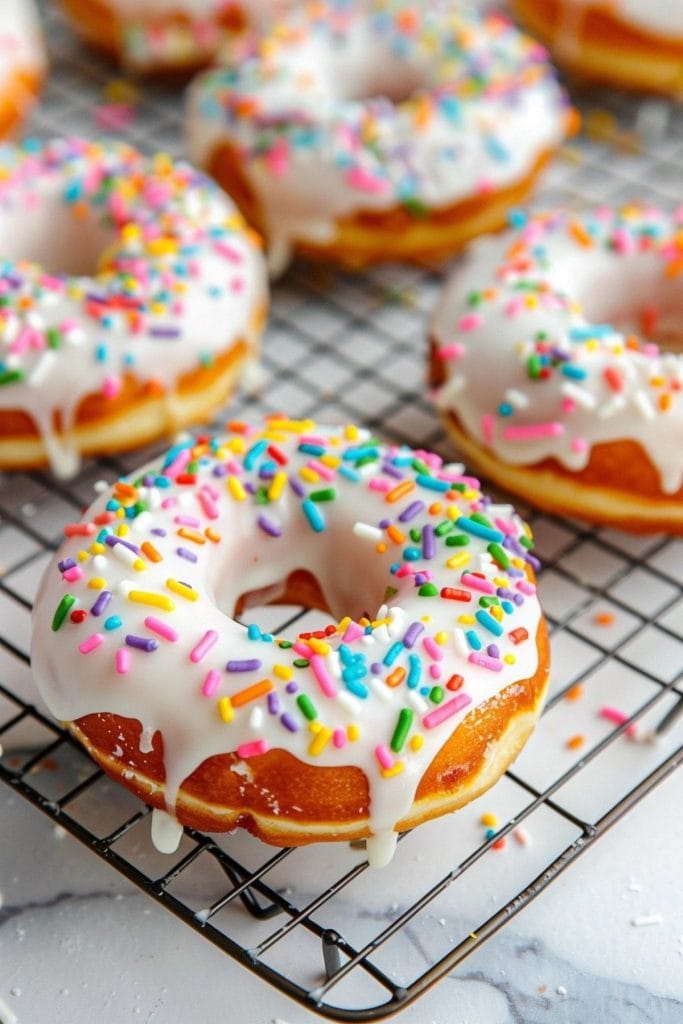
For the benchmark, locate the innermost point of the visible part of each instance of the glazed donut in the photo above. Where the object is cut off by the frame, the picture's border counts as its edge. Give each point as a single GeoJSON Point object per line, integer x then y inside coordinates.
{"type": "Point", "coordinates": [154, 338]}
{"type": "Point", "coordinates": [411, 702]}
{"type": "Point", "coordinates": [369, 132]}
{"type": "Point", "coordinates": [634, 44]}
{"type": "Point", "coordinates": [541, 379]}
{"type": "Point", "coordinates": [22, 63]}
{"type": "Point", "coordinates": [164, 35]}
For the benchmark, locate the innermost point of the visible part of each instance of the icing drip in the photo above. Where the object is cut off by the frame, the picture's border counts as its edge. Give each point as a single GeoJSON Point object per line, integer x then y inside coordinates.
{"type": "Point", "coordinates": [130, 620]}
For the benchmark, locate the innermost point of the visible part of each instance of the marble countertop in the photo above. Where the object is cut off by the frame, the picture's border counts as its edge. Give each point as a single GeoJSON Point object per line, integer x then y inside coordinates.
{"type": "Point", "coordinates": [79, 943]}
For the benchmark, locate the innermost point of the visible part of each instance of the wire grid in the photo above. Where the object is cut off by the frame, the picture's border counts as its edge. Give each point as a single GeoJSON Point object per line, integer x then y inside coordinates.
{"type": "Point", "coordinates": [348, 943]}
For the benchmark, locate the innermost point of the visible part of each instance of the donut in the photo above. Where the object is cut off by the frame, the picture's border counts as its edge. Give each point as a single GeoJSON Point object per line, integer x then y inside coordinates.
{"type": "Point", "coordinates": [363, 133]}
{"type": "Point", "coordinates": [547, 368]}
{"type": "Point", "coordinates": [151, 36]}
{"type": "Point", "coordinates": [22, 63]}
{"type": "Point", "coordinates": [633, 44]}
{"type": "Point", "coordinates": [411, 701]}
{"type": "Point", "coordinates": [132, 297]}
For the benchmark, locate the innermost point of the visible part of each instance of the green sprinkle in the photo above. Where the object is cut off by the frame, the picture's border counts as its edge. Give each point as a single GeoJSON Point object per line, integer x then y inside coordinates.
{"type": "Point", "coordinates": [403, 725]}
{"type": "Point", "coordinates": [534, 366]}
{"type": "Point", "coordinates": [445, 527]}
{"type": "Point", "coordinates": [457, 540]}
{"type": "Point", "coordinates": [526, 542]}
{"type": "Point", "coordinates": [428, 590]}
{"type": "Point", "coordinates": [300, 662]}
{"type": "Point", "coordinates": [53, 337]}
{"type": "Point", "coordinates": [479, 517]}
{"type": "Point", "coordinates": [474, 299]}
{"type": "Point", "coordinates": [436, 694]}
{"type": "Point", "coordinates": [285, 644]}
{"type": "Point", "coordinates": [488, 602]}
{"type": "Point", "coordinates": [327, 494]}
{"type": "Point", "coordinates": [420, 467]}
{"type": "Point", "coordinates": [11, 376]}
{"type": "Point", "coordinates": [307, 707]}
{"type": "Point", "coordinates": [389, 593]}
{"type": "Point", "coordinates": [415, 535]}
{"type": "Point", "coordinates": [499, 555]}
{"type": "Point", "coordinates": [63, 609]}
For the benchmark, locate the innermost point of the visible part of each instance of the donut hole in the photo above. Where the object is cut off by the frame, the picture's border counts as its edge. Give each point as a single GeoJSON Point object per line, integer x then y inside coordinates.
{"type": "Point", "coordinates": [392, 80]}
{"type": "Point", "coordinates": [636, 298]}
{"type": "Point", "coordinates": [62, 238]}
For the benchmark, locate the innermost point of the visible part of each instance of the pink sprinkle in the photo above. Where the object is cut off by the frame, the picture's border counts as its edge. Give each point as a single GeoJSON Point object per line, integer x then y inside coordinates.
{"type": "Point", "coordinates": [73, 574]}
{"type": "Point", "coordinates": [435, 670]}
{"type": "Point", "coordinates": [384, 757]}
{"type": "Point", "coordinates": [404, 570]}
{"type": "Point", "coordinates": [179, 463]}
{"type": "Point", "coordinates": [484, 661]}
{"type": "Point", "coordinates": [339, 738]}
{"type": "Point", "coordinates": [187, 521]}
{"type": "Point", "coordinates": [302, 649]}
{"type": "Point", "coordinates": [533, 431]}
{"type": "Point", "coordinates": [521, 836]}
{"type": "Point", "coordinates": [447, 710]}
{"type": "Point", "coordinates": [324, 679]}
{"type": "Point", "coordinates": [515, 307]}
{"type": "Point", "coordinates": [613, 715]}
{"type": "Point", "coordinates": [353, 631]}
{"type": "Point", "coordinates": [470, 321]}
{"type": "Point", "coordinates": [478, 583]}
{"type": "Point", "coordinates": [525, 587]}
{"type": "Point", "coordinates": [432, 648]}
{"type": "Point", "coordinates": [91, 643]}
{"type": "Point", "coordinates": [210, 490]}
{"type": "Point", "coordinates": [623, 241]}
{"type": "Point", "coordinates": [454, 351]}
{"type": "Point", "coordinates": [229, 251]}
{"type": "Point", "coordinates": [376, 483]}
{"type": "Point", "coordinates": [323, 471]}
{"type": "Point", "coordinates": [278, 158]}
{"type": "Point", "coordinates": [209, 508]}
{"type": "Point", "coordinates": [211, 683]}
{"type": "Point", "coordinates": [252, 749]}
{"type": "Point", "coordinates": [113, 116]}
{"type": "Point", "coordinates": [568, 404]}
{"type": "Point", "coordinates": [204, 646]}
{"type": "Point", "coordinates": [365, 181]}
{"type": "Point", "coordinates": [487, 427]}
{"type": "Point", "coordinates": [123, 660]}
{"type": "Point", "coordinates": [161, 628]}
{"type": "Point", "coordinates": [579, 445]}
{"type": "Point", "coordinates": [111, 387]}
{"type": "Point", "coordinates": [505, 526]}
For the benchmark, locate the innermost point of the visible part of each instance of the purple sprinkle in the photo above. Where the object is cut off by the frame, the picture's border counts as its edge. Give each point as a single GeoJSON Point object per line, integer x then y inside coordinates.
{"type": "Point", "coordinates": [384, 523]}
{"type": "Point", "coordinates": [289, 722]}
{"type": "Point", "coordinates": [141, 643]}
{"type": "Point", "coordinates": [428, 542]}
{"type": "Point", "coordinates": [266, 473]}
{"type": "Point", "coordinates": [188, 521]}
{"type": "Point", "coordinates": [113, 541]}
{"type": "Point", "coordinates": [420, 578]}
{"type": "Point", "coordinates": [186, 554]}
{"type": "Point", "coordinates": [220, 471]}
{"type": "Point", "coordinates": [493, 651]}
{"type": "Point", "coordinates": [411, 511]}
{"type": "Point", "coordinates": [292, 687]}
{"type": "Point", "coordinates": [148, 479]}
{"type": "Point", "coordinates": [518, 599]}
{"type": "Point", "coordinates": [158, 531]}
{"type": "Point", "coordinates": [101, 603]}
{"type": "Point", "coordinates": [412, 633]}
{"type": "Point", "coordinates": [392, 470]}
{"type": "Point", "coordinates": [273, 703]}
{"type": "Point", "coordinates": [246, 665]}
{"type": "Point", "coordinates": [298, 488]}
{"type": "Point", "coordinates": [376, 668]}
{"type": "Point", "coordinates": [514, 572]}
{"type": "Point", "coordinates": [164, 332]}
{"type": "Point", "coordinates": [532, 561]}
{"type": "Point", "coordinates": [505, 593]}
{"type": "Point", "coordinates": [66, 563]}
{"type": "Point", "coordinates": [269, 527]}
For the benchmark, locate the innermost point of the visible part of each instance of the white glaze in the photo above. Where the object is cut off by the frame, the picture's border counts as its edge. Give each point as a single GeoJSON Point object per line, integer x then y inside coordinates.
{"type": "Point", "coordinates": [322, 140]}
{"type": "Point", "coordinates": [545, 277]}
{"type": "Point", "coordinates": [21, 43]}
{"type": "Point", "coordinates": [163, 688]}
{"type": "Point", "coordinates": [193, 295]}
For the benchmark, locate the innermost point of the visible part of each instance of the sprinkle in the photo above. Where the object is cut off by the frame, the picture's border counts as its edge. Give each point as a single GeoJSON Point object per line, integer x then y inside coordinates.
{"type": "Point", "coordinates": [478, 583]}
{"type": "Point", "coordinates": [575, 742]}
{"type": "Point", "coordinates": [155, 600]}
{"type": "Point", "coordinates": [91, 644]}
{"type": "Point", "coordinates": [647, 919]}
{"type": "Point", "coordinates": [162, 629]}
{"type": "Point", "coordinates": [521, 836]}
{"type": "Point", "coordinates": [574, 693]}
{"type": "Point", "coordinates": [249, 693]}
{"type": "Point", "coordinates": [384, 757]}
{"type": "Point", "coordinates": [323, 678]}
{"type": "Point", "coordinates": [307, 707]}
{"type": "Point", "coordinates": [243, 665]}
{"type": "Point", "coordinates": [453, 594]}
{"type": "Point", "coordinates": [123, 661]}
{"type": "Point", "coordinates": [63, 609]}
{"type": "Point", "coordinates": [203, 647]}
{"type": "Point", "coordinates": [485, 661]}
{"type": "Point", "coordinates": [533, 431]}
{"type": "Point", "coordinates": [225, 709]}
{"type": "Point", "coordinates": [211, 683]}
{"type": "Point", "coordinates": [252, 749]}
{"type": "Point", "coordinates": [141, 643]}
{"type": "Point", "coordinates": [445, 711]}
{"type": "Point", "coordinates": [313, 515]}
{"type": "Point", "coordinates": [182, 590]}
{"type": "Point", "coordinates": [403, 727]}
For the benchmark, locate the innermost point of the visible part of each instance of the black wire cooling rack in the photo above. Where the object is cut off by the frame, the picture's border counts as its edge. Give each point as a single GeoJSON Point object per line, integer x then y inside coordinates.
{"type": "Point", "coordinates": [346, 942]}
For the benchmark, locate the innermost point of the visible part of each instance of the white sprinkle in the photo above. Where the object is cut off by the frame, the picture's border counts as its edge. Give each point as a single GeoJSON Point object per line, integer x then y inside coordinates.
{"type": "Point", "coordinates": [256, 719]}
{"type": "Point", "coordinates": [42, 368]}
{"type": "Point", "coordinates": [561, 991]}
{"type": "Point", "coordinates": [100, 486]}
{"type": "Point", "coordinates": [580, 395]}
{"type": "Point", "coordinates": [461, 644]}
{"type": "Point", "coordinates": [350, 703]}
{"type": "Point", "coordinates": [647, 919]}
{"type": "Point", "coordinates": [517, 398]}
{"type": "Point", "coordinates": [643, 405]}
{"type": "Point", "coordinates": [417, 702]}
{"type": "Point", "coordinates": [611, 408]}
{"type": "Point", "coordinates": [379, 687]}
{"type": "Point", "coordinates": [367, 532]}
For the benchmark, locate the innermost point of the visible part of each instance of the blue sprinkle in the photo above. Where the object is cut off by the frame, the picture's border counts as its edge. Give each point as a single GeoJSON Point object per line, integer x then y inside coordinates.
{"type": "Point", "coordinates": [576, 372]}
{"type": "Point", "coordinates": [431, 483]}
{"type": "Point", "coordinates": [488, 622]}
{"type": "Point", "coordinates": [314, 515]}
{"type": "Point", "coordinates": [473, 640]}
{"type": "Point", "coordinates": [113, 622]}
{"type": "Point", "coordinates": [414, 671]}
{"type": "Point", "coordinates": [479, 529]}
{"type": "Point", "coordinates": [393, 653]}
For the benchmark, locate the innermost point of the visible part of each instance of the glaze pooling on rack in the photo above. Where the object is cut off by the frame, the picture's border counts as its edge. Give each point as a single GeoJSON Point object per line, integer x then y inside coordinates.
{"type": "Point", "coordinates": [129, 619]}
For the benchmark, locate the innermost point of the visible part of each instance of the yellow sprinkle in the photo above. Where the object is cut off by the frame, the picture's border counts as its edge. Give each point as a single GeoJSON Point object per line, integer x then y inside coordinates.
{"type": "Point", "coordinates": [309, 475]}
{"type": "Point", "coordinates": [489, 820]}
{"type": "Point", "coordinates": [237, 445]}
{"type": "Point", "coordinates": [182, 590]}
{"type": "Point", "coordinates": [277, 486]}
{"type": "Point", "coordinates": [225, 709]}
{"type": "Point", "coordinates": [96, 548]}
{"type": "Point", "coordinates": [317, 645]}
{"type": "Point", "coordinates": [395, 769]}
{"type": "Point", "coordinates": [509, 659]}
{"type": "Point", "coordinates": [331, 461]}
{"type": "Point", "coordinates": [235, 487]}
{"type": "Point", "coordinates": [352, 732]}
{"type": "Point", "coordinates": [292, 426]}
{"type": "Point", "coordinates": [314, 727]}
{"type": "Point", "coordinates": [122, 530]}
{"type": "Point", "coordinates": [501, 581]}
{"type": "Point", "coordinates": [344, 623]}
{"type": "Point", "coordinates": [139, 565]}
{"type": "Point", "coordinates": [97, 583]}
{"type": "Point", "coordinates": [83, 556]}
{"type": "Point", "coordinates": [415, 742]}
{"type": "Point", "coordinates": [496, 612]}
{"type": "Point", "coordinates": [441, 637]}
{"type": "Point", "coordinates": [351, 432]}
{"type": "Point", "coordinates": [283, 672]}
{"type": "Point", "coordinates": [155, 600]}
{"type": "Point", "coordinates": [467, 620]}
{"type": "Point", "coordinates": [459, 560]}
{"type": "Point", "coordinates": [320, 741]}
{"type": "Point", "coordinates": [518, 563]}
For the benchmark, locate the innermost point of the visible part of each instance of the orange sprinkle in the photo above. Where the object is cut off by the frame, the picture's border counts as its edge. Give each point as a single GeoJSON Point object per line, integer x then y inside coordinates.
{"type": "Point", "coordinates": [435, 508]}
{"type": "Point", "coordinates": [604, 619]}
{"type": "Point", "coordinates": [396, 677]}
{"type": "Point", "coordinates": [395, 534]}
{"type": "Point", "coordinates": [251, 693]}
{"type": "Point", "coordinates": [674, 268]}
{"type": "Point", "coordinates": [212, 534]}
{"type": "Point", "coordinates": [574, 693]}
{"type": "Point", "coordinates": [499, 844]}
{"type": "Point", "coordinates": [381, 548]}
{"type": "Point", "coordinates": [237, 427]}
{"type": "Point", "coordinates": [194, 535]}
{"type": "Point", "coordinates": [574, 742]}
{"type": "Point", "coordinates": [151, 552]}
{"type": "Point", "coordinates": [664, 402]}
{"type": "Point", "coordinates": [125, 490]}
{"type": "Point", "coordinates": [580, 235]}
{"type": "Point", "coordinates": [399, 491]}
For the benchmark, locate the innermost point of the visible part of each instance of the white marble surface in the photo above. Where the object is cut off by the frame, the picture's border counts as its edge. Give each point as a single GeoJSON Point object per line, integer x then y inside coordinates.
{"type": "Point", "coordinates": [78, 943]}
